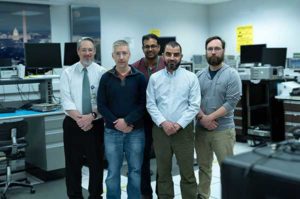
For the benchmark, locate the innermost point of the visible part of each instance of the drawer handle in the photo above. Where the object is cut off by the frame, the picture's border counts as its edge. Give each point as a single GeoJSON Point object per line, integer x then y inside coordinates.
{"type": "Point", "coordinates": [56, 145]}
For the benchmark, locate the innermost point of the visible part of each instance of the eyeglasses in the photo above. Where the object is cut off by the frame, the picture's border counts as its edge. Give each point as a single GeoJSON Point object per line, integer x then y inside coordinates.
{"type": "Point", "coordinates": [216, 49]}
{"type": "Point", "coordinates": [148, 47]}
{"type": "Point", "coordinates": [87, 50]}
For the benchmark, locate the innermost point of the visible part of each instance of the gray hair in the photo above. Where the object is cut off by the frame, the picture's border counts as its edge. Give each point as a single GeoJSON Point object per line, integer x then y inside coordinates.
{"type": "Point", "coordinates": [85, 39]}
{"type": "Point", "coordinates": [119, 43]}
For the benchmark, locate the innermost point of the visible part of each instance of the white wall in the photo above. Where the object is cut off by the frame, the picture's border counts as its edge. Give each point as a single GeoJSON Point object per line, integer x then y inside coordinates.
{"type": "Point", "coordinates": [132, 19]}
{"type": "Point", "coordinates": [60, 25]}
{"type": "Point", "coordinates": [275, 22]}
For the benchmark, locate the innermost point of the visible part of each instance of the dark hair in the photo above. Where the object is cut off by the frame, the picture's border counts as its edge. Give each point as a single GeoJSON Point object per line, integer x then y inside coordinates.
{"type": "Point", "coordinates": [173, 44]}
{"type": "Point", "coordinates": [149, 36]}
{"type": "Point", "coordinates": [213, 38]}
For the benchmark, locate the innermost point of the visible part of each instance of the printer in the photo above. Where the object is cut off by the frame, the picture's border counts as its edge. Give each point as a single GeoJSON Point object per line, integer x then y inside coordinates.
{"type": "Point", "coordinates": [286, 89]}
{"type": "Point", "coordinates": [245, 73]}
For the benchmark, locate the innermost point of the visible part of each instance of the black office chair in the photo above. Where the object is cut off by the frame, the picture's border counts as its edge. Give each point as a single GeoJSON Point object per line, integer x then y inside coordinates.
{"type": "Point", "coordinates": [12, 138]}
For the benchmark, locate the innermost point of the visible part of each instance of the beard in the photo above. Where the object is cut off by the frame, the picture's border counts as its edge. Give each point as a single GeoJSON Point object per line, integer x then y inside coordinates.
{"type": "Point", "coordinates": [87, 62]}
{"type": "Point", "coordinates": [172, 65]}
{"type": "Point", "coordinates": [215, 60]}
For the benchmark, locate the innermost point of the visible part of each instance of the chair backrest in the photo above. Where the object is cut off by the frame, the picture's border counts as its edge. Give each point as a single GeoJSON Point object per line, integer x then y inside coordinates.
{"type": "Point", "coordinates": [12, 132]}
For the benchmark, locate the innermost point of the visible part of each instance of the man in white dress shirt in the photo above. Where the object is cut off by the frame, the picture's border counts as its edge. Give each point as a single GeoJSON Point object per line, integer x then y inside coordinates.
{"type": "Point", "coordinates": [173, 100]}
{"type": "Point", "coordinates": [83, 126]}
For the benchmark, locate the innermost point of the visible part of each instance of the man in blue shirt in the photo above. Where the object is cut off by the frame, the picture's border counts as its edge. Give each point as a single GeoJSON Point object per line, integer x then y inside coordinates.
{"type": "Point", "coordinates": [173, 100]}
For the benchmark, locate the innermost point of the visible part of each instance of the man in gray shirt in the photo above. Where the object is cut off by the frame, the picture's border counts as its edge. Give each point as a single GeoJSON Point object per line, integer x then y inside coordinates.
{"type": "Point", "coordinates": [215, 130]}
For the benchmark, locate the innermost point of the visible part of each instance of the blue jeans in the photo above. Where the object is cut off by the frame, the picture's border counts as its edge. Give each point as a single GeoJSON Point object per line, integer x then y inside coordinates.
{"type": "Point", "coordinates": [116, 144]}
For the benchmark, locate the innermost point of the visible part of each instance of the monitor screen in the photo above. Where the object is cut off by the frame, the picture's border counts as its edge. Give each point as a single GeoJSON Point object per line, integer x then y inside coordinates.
{"type": "Point", "coordinates": [42, 55]}
{"type": "Point", "coordinates": [5, 62]}
{"type": "Point", "coordinates": [252, 53]}
{"type": "Point", "coordinates": [293, 63]}
{"type": "Point", "coordinates": [163, 41]}
{"type": "Point", "coordinates": [70, 55]}
{"type": "Point", "coordinates": [274, 56]}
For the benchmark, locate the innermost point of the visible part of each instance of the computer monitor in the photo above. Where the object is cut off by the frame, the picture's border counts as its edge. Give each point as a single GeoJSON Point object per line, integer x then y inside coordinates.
{"type": "Point", "coordinates": [296, 55]}
{"type": "Point", "coordinates": [163, 41]}
{"type": "Point", "coordinates": [5, 62]}
{"type": "Point", "coordinates": [274, 56]}
{"type": "Point", "coordinates": [70, 55]}
{"type": "Point", "coordinates": [252, 53]}
{"type": "Point", "coordinates": [293, 63]}
{"type": "Point", "coordinates": [42, 57]}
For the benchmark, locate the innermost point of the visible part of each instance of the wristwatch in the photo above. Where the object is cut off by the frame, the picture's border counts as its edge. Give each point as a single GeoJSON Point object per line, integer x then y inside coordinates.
{"type": "Point", "coordinates": [94, 114]}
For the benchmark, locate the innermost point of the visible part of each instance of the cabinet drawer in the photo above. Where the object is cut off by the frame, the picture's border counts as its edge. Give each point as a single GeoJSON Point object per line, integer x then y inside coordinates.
{"type": "Point", "coordinates": [238, 131]}
{"type": "Point", "coordinates": [55, 157]}
{"type": "Point", "coordinates": [291, 107]}
{"type": "Point", "coordinates": [292, 118]}
{"type": "Point", "coordinates": [54, 122]}
{"type": "Point", "coordinates": [238, 122]}
{"type": "Point", "coordinates": [54, 136]}
{"type": "Point", "coordinates": [238, 112]}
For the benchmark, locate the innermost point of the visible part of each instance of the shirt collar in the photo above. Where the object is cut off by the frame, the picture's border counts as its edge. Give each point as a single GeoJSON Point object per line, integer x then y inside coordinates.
{"type": "Point", "coordinates": [171, 74]}
{"type": "Point", "coordinates": [80, 67]}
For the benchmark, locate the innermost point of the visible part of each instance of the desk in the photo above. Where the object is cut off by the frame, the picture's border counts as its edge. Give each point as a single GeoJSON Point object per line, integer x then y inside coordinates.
{"type": "Point", "coordinates": [45, 138]}
{"type": "Point", "coordinates": [45, 149]}
{"type": "Point", "coordinates": [26, 114]}
{"type": "Point", "coordinates": [296, 98]}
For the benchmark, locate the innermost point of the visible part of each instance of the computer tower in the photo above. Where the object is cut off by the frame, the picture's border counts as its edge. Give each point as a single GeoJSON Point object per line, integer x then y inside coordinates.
{"type": "Point", "coordinates": [261, 174]}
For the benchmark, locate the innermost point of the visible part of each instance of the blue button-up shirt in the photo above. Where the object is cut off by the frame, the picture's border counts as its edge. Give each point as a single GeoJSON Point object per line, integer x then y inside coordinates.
{"type": "Point", "coordinates": [173, 97]}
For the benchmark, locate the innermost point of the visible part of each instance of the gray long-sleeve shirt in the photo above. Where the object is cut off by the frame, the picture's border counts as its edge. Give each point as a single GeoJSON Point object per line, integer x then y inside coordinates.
{"type": "Point", "coordinates": [225, 89]}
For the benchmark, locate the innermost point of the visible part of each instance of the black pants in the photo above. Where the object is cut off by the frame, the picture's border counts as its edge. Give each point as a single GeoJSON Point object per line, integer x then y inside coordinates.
{"type": "Point", "coordinates": [145, 174]}
{"type": "Point", "coordinates": [82, 147]}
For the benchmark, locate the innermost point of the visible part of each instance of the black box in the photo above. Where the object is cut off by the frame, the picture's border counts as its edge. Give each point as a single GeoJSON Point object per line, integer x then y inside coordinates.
{"type": "Point", "coordinates": [261, 174]}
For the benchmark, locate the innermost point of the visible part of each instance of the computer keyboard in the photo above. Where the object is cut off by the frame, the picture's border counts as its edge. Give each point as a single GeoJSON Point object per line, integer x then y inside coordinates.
{"type": "Point", "coordinates": [7, 110]}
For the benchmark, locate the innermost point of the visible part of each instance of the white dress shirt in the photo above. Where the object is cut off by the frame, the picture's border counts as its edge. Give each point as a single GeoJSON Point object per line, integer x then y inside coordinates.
{"type": "Point", "coordinates": [173, 97]}
{"type": "Point", "coordinates": [71, 85]}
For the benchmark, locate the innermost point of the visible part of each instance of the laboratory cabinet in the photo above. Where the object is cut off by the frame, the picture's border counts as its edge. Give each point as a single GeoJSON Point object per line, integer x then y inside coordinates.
{"type": "Point", "coordinates": [259, 116]}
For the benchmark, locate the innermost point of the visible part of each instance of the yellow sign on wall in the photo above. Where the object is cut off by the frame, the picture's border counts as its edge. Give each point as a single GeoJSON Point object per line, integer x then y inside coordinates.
{"type": "Point", "coordinates": [155, 31]}
{"type": "Point", "coordinates": [244, 36]}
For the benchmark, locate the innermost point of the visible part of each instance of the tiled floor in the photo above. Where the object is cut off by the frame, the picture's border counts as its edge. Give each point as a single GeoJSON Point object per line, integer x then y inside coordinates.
{"type": "Point", "coordinates": [215, 186]}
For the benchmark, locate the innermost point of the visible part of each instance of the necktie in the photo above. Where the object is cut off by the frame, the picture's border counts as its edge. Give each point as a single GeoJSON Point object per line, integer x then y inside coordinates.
{"type": "Point", "coordinates": [86, 94]}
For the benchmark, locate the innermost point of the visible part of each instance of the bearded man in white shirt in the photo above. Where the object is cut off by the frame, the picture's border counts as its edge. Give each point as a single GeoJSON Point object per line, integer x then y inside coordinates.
{"type": "Point", "coordinates": [173, 100]}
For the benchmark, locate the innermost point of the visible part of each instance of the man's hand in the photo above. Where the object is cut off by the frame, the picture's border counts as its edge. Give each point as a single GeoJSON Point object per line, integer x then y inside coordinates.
{"type": "Point", "coordinates": [208, 122]}
{"type": "Point", "coordinates": [169, 127]}
{"type": "Point", "coordinates": [177, 126]}
{"type": "Point", "coordinates": [85, 122]}
{"type": "Point", "coordinates": [128, 129]}
{"type": "Point", "coordinates": [121, 125]}
{"type": "Point", "coordinates": [88, 127]}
